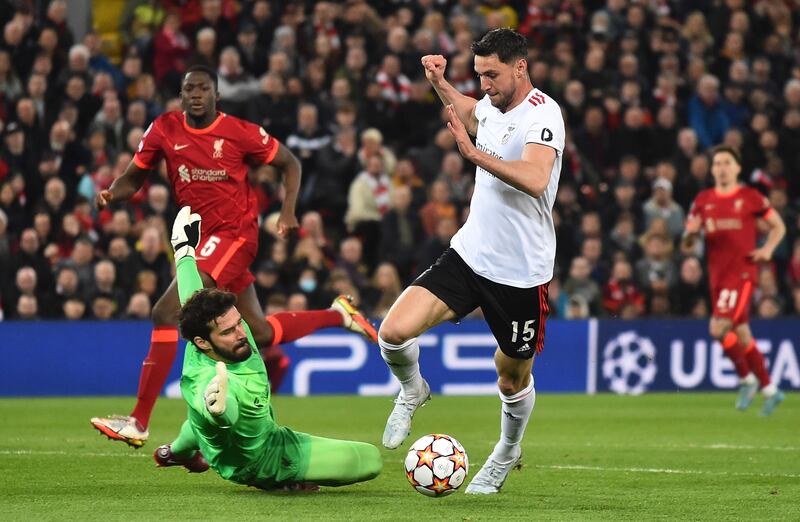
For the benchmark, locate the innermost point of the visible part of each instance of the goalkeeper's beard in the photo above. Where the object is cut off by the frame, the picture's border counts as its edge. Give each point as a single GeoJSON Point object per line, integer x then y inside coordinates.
{"type": "Point", "coordinates": [240, 352]}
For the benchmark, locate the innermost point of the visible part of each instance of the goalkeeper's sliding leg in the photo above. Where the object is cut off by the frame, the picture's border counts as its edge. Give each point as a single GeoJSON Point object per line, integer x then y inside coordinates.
{"type": "Point", "coordinates": [331, 462]}
{"type": "Point", "coordinates": [340, 462]}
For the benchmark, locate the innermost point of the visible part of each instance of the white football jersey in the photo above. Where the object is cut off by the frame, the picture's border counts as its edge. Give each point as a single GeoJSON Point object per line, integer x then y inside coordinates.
{"type": "Point", "coordinates": [509, 237]}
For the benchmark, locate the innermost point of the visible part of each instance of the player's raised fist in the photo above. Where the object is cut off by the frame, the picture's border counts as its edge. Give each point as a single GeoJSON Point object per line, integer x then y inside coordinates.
{"type": "Point", "coordinates": [103, 198]}
{"type": "Point", "coordinates": [185, 233]}
{"type": "Point", "coordinates": [434, 65]}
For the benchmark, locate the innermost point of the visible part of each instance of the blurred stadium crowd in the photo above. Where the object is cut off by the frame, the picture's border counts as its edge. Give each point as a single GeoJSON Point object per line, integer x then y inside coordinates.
{"type": "Point", "coordinates": [646, 88]}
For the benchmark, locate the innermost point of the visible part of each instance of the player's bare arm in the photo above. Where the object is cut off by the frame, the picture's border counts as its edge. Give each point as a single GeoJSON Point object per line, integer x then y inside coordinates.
{"type": "Point", "coordinates": [434, 65]}
{"type": "Point", "coordinates": [286, 162]}
{"type": "Point", "coordinates": [530, 174]}
{"type": "Point", "coordinates": [124, 187]}
{"type": "Point", "coordinates": [777, 230]}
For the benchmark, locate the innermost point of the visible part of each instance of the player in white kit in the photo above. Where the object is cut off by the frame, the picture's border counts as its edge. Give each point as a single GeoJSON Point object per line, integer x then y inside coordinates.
{"type": "Point", "coordinates": [501, 260]}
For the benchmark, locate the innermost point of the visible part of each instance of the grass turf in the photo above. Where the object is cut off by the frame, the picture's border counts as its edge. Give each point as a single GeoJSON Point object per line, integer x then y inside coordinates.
{"type": "Point", "coordinates": [659, 456]}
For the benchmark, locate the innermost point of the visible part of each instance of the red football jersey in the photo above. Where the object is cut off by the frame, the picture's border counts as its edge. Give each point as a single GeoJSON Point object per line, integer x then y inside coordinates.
{"type": "Point", "coordinates": [208, 167]}
{"type": "Point", "coordinates": [729, 223]}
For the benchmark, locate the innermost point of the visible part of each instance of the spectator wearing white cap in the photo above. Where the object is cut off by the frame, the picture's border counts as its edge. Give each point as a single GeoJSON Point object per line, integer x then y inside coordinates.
{"type": "Point", "coordinates": [662, 206]}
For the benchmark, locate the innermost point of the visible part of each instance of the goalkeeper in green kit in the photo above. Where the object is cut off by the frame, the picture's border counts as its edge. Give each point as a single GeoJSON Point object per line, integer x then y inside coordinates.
{"type": "Point", "coordinates": [224, 383]}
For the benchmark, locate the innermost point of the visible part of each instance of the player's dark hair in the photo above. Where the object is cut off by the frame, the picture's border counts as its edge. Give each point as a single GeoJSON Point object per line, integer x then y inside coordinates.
{"type": "Point", "coordinates": [197, 314]}
{"type": "Point", "coordinates": [719, 149]}
{"type": "Point", "coordinates": [205, 70]}
{"type": "Point", "coordinates": [508, 45]}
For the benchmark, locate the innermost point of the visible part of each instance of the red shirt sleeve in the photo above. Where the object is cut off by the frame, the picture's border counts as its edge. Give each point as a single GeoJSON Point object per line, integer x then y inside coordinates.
{"type": "Point", "coordinates": [258, 145]}
{"type": "Point", "coordinates": [696, 209]}
{"type": "Point", "coordinates": [150, 149]}
{"type": "Point", "coordinates": [759, 204]}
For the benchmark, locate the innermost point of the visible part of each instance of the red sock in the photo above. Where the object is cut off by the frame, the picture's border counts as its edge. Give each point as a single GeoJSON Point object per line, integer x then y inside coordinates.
{"type": "Point", "coordinates": [155, 369]}
{"type": "Point", "coordinates": [735, 352]}
{"type": "Point", "coordinates": [289, 326]}
{"type": "Point", "coordinates": [277, 363]}
{"type": "Point", "coordinates": [756, 361]}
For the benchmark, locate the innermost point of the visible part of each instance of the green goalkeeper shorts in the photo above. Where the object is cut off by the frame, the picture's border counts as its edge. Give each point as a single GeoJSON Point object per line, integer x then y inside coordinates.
{"type": "Point", "coordinates": [284, 461]}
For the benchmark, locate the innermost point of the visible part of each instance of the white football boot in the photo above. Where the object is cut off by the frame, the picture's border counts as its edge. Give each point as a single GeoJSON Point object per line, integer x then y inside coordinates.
{"type": "Point", "coordinates": [122, 428]}
{"type": "Point", "coordinates": [398, 426]}
{"type": "Point", "coordinates": [493, 474]}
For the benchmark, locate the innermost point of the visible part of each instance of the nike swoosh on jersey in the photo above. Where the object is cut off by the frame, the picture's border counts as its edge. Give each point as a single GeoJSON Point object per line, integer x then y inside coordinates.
{"type": "Point", "coordinates": [179, 147]}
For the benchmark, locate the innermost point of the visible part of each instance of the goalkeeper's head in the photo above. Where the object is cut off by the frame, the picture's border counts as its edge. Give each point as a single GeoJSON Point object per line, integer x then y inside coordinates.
{"type": "Point", "coordinates": [209, 319]}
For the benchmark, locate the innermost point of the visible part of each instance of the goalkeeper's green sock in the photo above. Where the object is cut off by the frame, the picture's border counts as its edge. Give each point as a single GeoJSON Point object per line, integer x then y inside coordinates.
{"type": "Point", "coordinates": [185, 445]}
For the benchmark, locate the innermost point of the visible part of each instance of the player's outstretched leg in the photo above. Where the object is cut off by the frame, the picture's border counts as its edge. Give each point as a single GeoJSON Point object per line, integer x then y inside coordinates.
{"type": "Point", "coordinates": [132, 429]}
{"type": "Point", "coordinates": [416, 310]}
{"type": "Point", "coordinates": [290, 326]}
{"type": "Point", "coordinates": [403, 360]}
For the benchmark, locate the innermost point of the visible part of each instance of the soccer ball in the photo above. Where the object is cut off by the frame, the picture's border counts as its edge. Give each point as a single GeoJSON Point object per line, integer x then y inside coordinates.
{"type": "Point", "coordinates": [436, 465]}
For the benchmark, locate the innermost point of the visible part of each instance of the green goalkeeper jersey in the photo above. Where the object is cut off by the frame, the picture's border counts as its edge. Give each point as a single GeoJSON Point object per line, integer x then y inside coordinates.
{"type": "Point", "coordinates": [241, 443]}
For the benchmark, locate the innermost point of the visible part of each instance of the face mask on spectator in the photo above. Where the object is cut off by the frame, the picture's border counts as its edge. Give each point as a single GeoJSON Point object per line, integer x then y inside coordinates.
{"type": "Point", "coordinates": [308, 285]}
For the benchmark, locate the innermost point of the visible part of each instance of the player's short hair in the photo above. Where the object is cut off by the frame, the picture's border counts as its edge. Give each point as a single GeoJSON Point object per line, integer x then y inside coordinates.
{"type": "Point", "coordinates": [205, 70]}
{"type": "Point", "coordinates": [719, 149]}
{"type": "Point", "coordinates": [201, 309]}
{"type": "Point", "coordinates": [508, 45]}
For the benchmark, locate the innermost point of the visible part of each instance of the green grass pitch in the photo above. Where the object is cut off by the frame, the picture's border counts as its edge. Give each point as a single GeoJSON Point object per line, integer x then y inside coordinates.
{"type": "Point", "coordinates": [678, 456]}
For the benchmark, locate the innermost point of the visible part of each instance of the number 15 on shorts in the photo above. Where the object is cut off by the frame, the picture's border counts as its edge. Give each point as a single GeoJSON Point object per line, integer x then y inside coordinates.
{"type": "Point", "coordinates": [528, 330]}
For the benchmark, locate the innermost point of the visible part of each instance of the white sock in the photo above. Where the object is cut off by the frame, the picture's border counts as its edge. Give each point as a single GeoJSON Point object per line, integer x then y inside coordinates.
{"type": "Point", "coordinates": [750, 379]}
{"type": "Point", "coordinates": [403, 361]}
{"type": "Point", "coordinates": [515, 412]}
{"type": "Point", "coordinates": [770, 389]}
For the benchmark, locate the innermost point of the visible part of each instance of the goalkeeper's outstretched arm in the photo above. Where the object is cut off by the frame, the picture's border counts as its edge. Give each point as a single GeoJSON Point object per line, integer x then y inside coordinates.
{"type": "Point", "coordinates": [185, 238]}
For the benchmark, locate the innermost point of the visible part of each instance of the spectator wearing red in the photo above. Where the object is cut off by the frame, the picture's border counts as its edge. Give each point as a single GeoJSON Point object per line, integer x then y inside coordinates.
{"type": "Point", "coordinates": [171, 48]}
{"type": "Point", "coordinates": [395, 86]}
{"type": "Point", "coordinates": [620, 293]}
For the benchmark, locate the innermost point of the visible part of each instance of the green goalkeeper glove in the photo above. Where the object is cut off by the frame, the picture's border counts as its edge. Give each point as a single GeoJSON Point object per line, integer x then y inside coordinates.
{"type": "Point", "coordinates": [217, 391]}
{"type": "Point", "coordinates": [185, 233]}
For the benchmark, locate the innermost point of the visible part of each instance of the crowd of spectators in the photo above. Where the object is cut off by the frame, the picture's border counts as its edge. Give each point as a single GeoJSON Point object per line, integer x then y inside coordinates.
{"type": "Point", "coordinates": [646, 88]}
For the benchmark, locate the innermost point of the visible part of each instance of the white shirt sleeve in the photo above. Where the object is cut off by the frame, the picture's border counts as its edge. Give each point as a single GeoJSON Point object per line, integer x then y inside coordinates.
{"type": "Point", "coordinates": [547, 127]}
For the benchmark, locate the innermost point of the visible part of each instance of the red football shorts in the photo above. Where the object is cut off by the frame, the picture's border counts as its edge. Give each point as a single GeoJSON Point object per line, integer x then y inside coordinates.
{"type": "Point", "coordinates": [732, 301]}
{"type": "Point", "coordinates": [227, 260]}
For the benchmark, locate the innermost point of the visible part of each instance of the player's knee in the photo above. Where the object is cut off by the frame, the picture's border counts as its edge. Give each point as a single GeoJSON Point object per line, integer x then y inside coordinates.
{"type": "Point", "coordinates": [511, 384]}
{"type": "Point", "coordinates": [717, 330]}
{"type": "Point", "coordinates": [392, 333]}
{"type": "Point", "coordinates": [163, 315]}
{"type": "Point", "coordinates": [744, 336]}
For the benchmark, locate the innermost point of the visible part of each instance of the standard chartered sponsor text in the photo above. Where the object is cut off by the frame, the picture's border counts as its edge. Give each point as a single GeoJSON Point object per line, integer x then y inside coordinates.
{"type": "Point", "coordinates": [208, 174]}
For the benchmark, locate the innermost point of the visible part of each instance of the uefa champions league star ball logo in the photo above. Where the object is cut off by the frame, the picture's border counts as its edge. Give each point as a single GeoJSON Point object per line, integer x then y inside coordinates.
{"type": "Point", "coordinates": [629, 363]}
